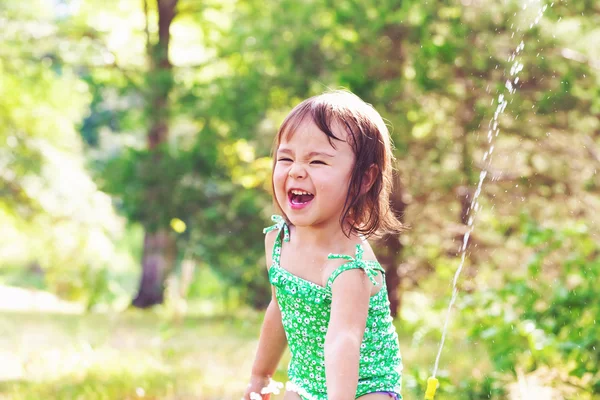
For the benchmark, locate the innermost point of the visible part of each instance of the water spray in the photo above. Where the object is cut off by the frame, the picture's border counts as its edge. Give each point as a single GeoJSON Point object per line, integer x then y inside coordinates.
{"type": "Point", "coordinates": [511, 86]}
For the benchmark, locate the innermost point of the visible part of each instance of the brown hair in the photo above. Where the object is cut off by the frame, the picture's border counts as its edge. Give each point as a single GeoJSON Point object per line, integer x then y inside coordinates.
{"type": "Point", "coordinates": [369, 213]}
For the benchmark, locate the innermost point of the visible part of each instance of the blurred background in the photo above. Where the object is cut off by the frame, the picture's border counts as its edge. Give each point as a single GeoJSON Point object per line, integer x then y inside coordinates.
{"type": "Point", "coordinates": [135, 141]}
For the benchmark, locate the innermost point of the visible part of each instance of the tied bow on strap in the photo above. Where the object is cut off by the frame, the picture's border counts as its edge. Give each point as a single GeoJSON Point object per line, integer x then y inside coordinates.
{"type": "Point", "coordinates": [358, 260]}
{"type": "Point", "coordinates": [279, 225]}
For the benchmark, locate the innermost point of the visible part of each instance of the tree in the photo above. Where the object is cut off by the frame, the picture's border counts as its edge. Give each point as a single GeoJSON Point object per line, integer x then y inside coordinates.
{"type": "Point", "coordinates": [159, 244]}
{"type": "Point", "coordinates": [195, 164]}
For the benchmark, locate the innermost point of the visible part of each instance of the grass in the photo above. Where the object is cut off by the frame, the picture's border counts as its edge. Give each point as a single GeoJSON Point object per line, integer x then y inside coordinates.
{"type": "Point", "coordinates": [126, 356]}
{"type": "Point", "coordinates": [147, 355]}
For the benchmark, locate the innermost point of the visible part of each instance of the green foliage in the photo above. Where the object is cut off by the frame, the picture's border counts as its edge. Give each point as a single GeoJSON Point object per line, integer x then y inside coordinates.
{"type": "Point", "coordinates": [548, 316]}
{"type": "Point", "coordinates": [53, 217]}
{"type": "Point", "coordinates": [479, 389]}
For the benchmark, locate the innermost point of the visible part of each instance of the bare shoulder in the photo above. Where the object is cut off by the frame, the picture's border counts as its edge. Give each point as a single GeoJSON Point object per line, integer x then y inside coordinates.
{"type": "Point", "coordinates": [369, 254]}
{"type": "Point", "coordinates": [356, 282]}
{"type": "Point", "coordinates": [269, 243]}
{"type": "Point", "coordinates": [350, 292]}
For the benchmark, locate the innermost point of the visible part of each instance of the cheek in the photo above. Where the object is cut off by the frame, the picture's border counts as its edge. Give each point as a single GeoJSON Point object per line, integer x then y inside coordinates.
{"type": "Point", "coordinates": [334, 186]}
{"type": "Point", "coordinates": [279, 178]}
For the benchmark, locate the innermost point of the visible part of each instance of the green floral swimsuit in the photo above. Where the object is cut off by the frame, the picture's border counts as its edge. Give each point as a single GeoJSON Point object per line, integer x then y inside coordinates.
{"type": "Point", "coordinates": [305, 310]}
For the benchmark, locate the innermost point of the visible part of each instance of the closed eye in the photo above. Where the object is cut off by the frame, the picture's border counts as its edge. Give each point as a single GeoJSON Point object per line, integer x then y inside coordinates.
{"type": "Point", "coordinates": [284, 159]}
{"type": "Point", "coordinates": [318, 162]}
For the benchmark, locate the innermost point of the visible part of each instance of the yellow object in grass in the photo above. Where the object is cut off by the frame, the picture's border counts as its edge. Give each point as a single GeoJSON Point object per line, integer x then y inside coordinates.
{"type": "Point", "coordinates": [432, 385]}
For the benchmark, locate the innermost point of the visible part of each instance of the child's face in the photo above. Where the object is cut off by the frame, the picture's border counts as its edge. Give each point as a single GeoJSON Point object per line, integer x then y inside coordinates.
{"type": "Point", "coordinates": [311, 177]}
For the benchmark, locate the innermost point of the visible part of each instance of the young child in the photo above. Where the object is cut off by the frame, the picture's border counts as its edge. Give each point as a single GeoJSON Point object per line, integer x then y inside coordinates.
{"type": "Point", "coordinates": [331, 183]}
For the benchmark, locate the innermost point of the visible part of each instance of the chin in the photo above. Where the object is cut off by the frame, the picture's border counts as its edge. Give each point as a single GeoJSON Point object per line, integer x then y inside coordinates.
{"type": "Point", "coordinates": [299, 220]}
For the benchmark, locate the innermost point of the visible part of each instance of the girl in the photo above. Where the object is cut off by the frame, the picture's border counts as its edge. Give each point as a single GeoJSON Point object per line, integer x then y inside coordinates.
{"type": "Point", "coordinates": [331, 183]}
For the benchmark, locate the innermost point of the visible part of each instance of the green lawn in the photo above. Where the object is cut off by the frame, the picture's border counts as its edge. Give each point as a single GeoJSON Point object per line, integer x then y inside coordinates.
{"type": "Point", "coordinates": [136, 355]}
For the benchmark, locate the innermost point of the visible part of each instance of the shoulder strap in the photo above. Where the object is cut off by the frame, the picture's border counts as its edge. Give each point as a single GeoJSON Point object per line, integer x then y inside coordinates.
{"type": "Point", "coordinates": [280, 225]}
{"type": "Point", "coordinates": [370, 267]}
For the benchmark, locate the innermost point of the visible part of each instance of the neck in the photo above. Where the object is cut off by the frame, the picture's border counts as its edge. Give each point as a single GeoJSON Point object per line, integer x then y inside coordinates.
{"type": "Point", "coordinates": [329, 236]}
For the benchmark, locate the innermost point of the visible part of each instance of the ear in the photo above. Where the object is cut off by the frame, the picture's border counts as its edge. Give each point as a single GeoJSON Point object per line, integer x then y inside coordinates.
{"type": "Point", "coordinates": [369, 178]}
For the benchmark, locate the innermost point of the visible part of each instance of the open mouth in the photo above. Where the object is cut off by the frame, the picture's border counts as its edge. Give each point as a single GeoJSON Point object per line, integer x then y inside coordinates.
{"type": "Point", "coordinates": [299, 198]}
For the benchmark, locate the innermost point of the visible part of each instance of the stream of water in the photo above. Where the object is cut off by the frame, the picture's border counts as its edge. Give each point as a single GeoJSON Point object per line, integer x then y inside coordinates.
{"type": "Point", "coordinates": [494, 129]}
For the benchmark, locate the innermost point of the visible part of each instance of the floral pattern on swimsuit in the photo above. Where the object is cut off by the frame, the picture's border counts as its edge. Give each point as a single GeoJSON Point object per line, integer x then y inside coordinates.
{"type": "Point", "coordinates": [305, 311]}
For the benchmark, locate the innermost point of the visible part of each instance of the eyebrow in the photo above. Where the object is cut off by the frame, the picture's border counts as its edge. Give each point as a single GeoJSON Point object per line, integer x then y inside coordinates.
{"type": "Point", "coordinates": [311, 154]}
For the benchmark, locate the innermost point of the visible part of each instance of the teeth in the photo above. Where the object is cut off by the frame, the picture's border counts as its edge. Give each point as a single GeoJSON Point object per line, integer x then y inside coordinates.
{"type": "Point", "coordinates": [299, 192]}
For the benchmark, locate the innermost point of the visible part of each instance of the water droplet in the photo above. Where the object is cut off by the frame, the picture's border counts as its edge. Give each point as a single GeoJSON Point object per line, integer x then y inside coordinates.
{"type": "Point", "coordinates": [509, 86]}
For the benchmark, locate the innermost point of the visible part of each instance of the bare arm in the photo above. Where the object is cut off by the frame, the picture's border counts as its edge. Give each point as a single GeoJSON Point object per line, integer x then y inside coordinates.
{"type": "Point", "coordinates": [272, 341]}
{"type": "Point", "coordinates": [349, 308]}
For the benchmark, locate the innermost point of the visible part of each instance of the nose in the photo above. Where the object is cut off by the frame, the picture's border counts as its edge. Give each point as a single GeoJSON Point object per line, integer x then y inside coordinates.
{"type": "Point", "coordinates": [297, 171]}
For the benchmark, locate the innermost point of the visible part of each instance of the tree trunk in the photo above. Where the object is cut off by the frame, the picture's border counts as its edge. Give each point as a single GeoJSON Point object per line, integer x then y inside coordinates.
{"type": "Point", "coordinates": [389, 257]}
{"type": "Point", "coordinates": [390, 249]}
{"type": "Point", "coordinates": [157, 261]}
{"type": "Point", "coordinates": [159, 245]}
